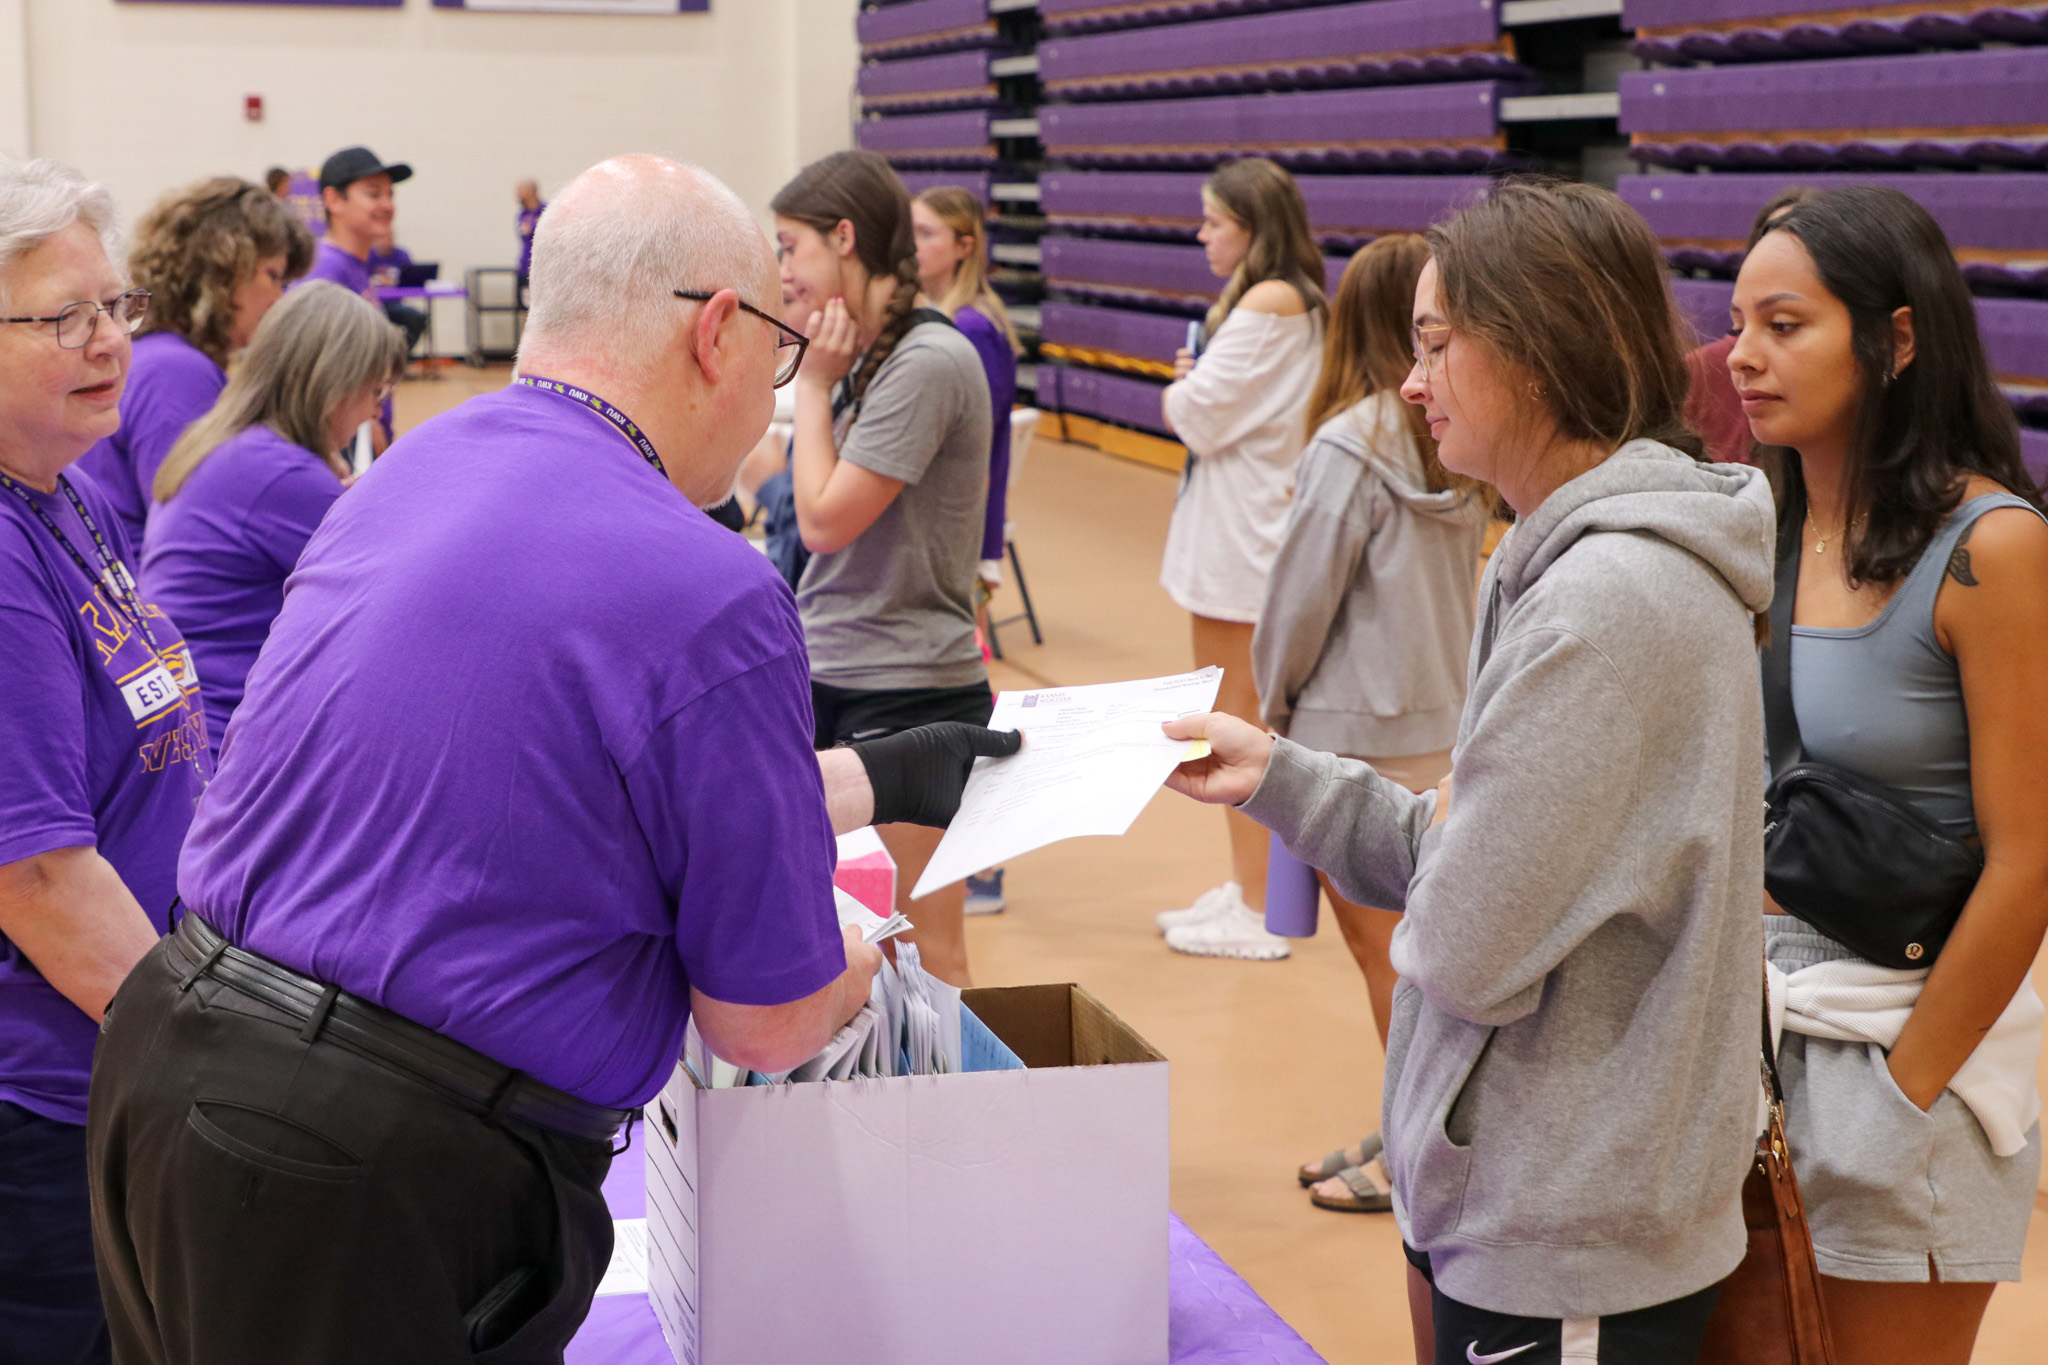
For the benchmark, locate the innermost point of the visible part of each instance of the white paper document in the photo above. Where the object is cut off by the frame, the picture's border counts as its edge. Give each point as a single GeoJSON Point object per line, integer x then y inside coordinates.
{"type": "Point", "coordinates": [1092, 758]}
{"type": "Point", "coordinates": [873, 928]}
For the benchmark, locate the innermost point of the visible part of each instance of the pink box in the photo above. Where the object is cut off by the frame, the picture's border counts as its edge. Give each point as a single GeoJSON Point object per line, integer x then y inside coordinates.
{"type": "Point", "coordinates": [866, 872]}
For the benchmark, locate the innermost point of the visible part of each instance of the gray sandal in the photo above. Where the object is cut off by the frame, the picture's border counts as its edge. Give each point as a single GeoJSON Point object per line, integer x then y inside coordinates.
{"type": "Point", "coordinates": [1361, 1196]}
{"type": "Point", "coordinates": [1336, 1163]}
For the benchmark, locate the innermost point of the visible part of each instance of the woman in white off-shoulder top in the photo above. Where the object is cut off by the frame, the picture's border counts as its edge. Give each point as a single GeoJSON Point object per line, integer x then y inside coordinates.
{"type": "Point", "coordinates": [1240, 410]}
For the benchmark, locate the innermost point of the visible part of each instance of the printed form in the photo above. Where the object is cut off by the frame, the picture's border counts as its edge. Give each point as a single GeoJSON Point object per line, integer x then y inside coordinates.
{"type": "Point", "coordinates": [1092, 758]}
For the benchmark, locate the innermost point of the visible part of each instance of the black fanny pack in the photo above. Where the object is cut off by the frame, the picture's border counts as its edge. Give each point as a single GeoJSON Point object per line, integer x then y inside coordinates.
{"type": "Point", "coordinates": [1842, 852]}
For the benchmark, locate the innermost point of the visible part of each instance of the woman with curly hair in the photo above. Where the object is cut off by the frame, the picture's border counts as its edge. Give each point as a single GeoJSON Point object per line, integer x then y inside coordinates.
{"type": "Point", "coordinates": [214, 257]}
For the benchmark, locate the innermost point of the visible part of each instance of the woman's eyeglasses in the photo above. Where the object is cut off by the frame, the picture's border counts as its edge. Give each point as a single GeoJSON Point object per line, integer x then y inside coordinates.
{"type": "Point", "coordinates": [789, 346]}
{"type": "Point", "coordinates": [1429, 343]}
{"type": "Point", "coordinates": [76, 322]}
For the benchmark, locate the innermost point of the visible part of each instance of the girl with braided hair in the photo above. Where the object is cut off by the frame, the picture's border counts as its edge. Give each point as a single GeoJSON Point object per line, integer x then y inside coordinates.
{"type": "Point", "coordinates": [890, 470]}
{"type": "Point", "coordinates": [214, 256]}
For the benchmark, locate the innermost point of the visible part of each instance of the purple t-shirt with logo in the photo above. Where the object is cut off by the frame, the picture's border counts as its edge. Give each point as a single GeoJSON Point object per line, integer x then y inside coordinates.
{"type": "Point", "coordinates": [527, 756]}
{"type": "Point", "coordinates": [105, 746]}
{"type": "Point", "coordinates": [171, 385]}
{"type": "Point", "coordinates": [385, 263]}
{"type": "Point", "coordinates": [330, 262]}
{"type": "Point", "coordinates": [219, 551]}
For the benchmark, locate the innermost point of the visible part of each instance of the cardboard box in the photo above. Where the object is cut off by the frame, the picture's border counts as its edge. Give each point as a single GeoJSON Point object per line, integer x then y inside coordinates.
{"type": "Point", "coordinates": [986, 1218]}
{"type": "Point", "coordinates": [865, 871]}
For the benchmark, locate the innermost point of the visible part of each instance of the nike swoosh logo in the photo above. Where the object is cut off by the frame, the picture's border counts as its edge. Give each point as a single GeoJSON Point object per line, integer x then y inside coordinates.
{"type": "Point", "coordinates": [1472, 1353]}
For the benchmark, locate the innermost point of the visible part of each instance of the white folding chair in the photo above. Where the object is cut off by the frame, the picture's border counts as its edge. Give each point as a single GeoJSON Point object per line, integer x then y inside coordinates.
{"type": "Point", "coordinates": [1023, 427]}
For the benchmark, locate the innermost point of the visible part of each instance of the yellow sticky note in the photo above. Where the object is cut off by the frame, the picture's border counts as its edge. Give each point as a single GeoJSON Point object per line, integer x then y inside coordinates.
{"type": "Point", "coordinates": [1197, 748]}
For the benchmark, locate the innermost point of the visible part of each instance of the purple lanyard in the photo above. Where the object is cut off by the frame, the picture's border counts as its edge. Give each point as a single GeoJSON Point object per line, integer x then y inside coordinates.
{"type": "Point", "coordinates": [586, 399]}
{"type": "Point", "coordinates": [119, 583]}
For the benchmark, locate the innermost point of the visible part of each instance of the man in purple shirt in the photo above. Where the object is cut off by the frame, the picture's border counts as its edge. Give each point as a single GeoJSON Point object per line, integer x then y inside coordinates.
{"type": "Point", "coordinates": [355, 191]}
{"type": "Point", "coordinates": [521, 782]}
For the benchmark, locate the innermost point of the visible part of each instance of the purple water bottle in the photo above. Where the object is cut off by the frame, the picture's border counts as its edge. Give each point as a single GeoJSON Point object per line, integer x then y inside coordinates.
{"type": "Point", "coordinates": [1293, 895]}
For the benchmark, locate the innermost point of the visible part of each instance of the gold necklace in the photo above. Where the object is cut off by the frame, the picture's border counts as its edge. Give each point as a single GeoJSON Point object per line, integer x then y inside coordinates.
{"type": "Point", "coordinates": [1820, 546]}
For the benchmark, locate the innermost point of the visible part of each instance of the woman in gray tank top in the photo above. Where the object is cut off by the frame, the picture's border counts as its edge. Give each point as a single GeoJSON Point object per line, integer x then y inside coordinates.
{"type": "Point", "coordinates": [1919, 660]}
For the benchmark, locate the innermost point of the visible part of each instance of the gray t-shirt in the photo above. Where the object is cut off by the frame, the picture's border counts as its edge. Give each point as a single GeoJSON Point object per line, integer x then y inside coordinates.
{"type": "Point", "coordinates": [895, 609]}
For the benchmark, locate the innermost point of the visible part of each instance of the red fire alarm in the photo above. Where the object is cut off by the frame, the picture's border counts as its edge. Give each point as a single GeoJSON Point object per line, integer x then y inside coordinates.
{"type": "Point", "coordinates": [252, 108]}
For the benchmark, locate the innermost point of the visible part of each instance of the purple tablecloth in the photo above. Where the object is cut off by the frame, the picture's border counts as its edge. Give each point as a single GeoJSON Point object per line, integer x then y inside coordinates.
{"type": "Point", "coordinates": [1214, 1317]}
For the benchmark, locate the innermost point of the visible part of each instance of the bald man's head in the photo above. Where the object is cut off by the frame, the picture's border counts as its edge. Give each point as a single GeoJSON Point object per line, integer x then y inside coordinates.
{"type": "Point", "coordinates": [617, 242]}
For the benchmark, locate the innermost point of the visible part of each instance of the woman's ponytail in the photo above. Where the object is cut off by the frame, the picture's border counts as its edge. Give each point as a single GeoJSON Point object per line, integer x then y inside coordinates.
{"type": "Point", "coordinates": [895, 325]}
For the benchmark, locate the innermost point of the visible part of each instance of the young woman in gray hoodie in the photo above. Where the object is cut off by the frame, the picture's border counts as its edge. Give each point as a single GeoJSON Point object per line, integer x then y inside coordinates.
{"type": "Point", "coordinates": [1571, 1092]}
{"type": "Point", "coordinates": [1361, 644]}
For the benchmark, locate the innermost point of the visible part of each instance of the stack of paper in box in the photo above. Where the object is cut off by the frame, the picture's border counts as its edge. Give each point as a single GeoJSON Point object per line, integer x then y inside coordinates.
{"type": "Point", "coordinates": [1003, 1217]}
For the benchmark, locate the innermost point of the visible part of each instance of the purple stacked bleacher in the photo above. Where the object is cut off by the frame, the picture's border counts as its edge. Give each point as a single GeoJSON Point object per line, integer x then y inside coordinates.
{"type": "Point", "coordinates": [1149, 273]}
{"type": "Point", "coordinates": [1345, 211]}
{"type": "Point", "coordinates": [1998, 224]}
{"type": "Point", "coordinates": [929, 139]}
{"type": "Point", "coordinates": [1946, 109]}
{"type": "Point", "coordinates": [1437, 127]}
{"type": "Point", "coordinates": [925, 26]}
{"type": "Point", "coordinates": [1094, 16]}
{"type": "Point", "coordinates": [1142, 337]}
{"type": "Point", "coordinates": [1328, 88]}
{"type": "Point", "coordinates": [1121, 398]}
{"type": "Point", "coordinates": [1382, 42]}
{"type": "Point", "coordinates": [2034, 450]}
{"type": "Point", "coordinates": [2015, 333]}
{"type": "Point", "coordinates": [951, 80]}
{"type": "Point", "coordinates": [1722, 32]}
{"type": "Point", "coordinates": [1153, 274]}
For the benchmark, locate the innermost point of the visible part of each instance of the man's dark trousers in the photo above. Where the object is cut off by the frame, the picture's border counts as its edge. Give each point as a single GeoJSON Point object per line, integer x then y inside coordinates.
{"type": "Point", "coordinates": [259, 1199]}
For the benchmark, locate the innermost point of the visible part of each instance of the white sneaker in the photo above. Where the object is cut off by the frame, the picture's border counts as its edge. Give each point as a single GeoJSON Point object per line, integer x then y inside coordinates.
{"type": "Point", "coordinates": [1235, 933]}
{"type": "Point", "coordinates": [1207, 906]}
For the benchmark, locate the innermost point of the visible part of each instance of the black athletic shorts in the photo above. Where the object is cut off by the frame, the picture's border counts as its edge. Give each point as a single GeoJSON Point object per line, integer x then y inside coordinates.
{"type": "Point", "coordinates": [842, 714]}
{"type": "Point", "coordinates": [1662, 1334]}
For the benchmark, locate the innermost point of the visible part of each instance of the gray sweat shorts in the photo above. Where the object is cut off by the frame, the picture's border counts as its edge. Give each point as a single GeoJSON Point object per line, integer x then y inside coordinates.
{"type": "Point", "coordinates": [1886, 1186]}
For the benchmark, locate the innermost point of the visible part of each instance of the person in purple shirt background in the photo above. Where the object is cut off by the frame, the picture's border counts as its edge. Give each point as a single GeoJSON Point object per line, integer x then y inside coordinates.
{"type": "Point", "coordinates": [530, 209]}
{"type": "Point", "coordinates": [952, 267]}
{"type": "Point", "coordinates": [243, 491]}
{"type": "Point", "coordinates": [388, 263]}
{"type": "Point", "coordinates": [522, 783]}
{"type": "Point", "coordinates": [103, 737]}
{"type": "Point", "coordinates": [214, 256]}
{"type": "Point", "coordinates": [952, 270]}
{"type": "Point", "coordinates": [355, 194]}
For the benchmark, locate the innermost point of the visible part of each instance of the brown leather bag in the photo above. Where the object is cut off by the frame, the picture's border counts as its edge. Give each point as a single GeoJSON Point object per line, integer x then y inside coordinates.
{"type": "Point", "coordinates": [1770, 1310]}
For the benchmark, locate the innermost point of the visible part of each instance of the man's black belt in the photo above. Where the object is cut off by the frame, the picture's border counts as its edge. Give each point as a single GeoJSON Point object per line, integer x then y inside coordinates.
{"type": "Point", "coordinates": [467, 1077]}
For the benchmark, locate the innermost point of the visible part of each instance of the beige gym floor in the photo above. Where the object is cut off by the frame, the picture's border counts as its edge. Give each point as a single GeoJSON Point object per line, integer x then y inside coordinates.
{"type": "Point", "coordinates": [1273, 1063]}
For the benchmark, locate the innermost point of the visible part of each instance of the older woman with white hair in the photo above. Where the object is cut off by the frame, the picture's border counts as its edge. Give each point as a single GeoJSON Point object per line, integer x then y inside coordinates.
{"type": "Point", "coordinates": [104, 740]}
{"type": "Point", "coordinates": [244, 489]}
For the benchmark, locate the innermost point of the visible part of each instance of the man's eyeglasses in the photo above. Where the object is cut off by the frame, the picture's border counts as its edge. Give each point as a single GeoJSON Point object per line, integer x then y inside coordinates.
{"type": "Point", "coordinates": [789, 348]}
{"type": "Point", "coordinates": [76, 322]}
{"type": "Point", "coordinates": [1429, 343]}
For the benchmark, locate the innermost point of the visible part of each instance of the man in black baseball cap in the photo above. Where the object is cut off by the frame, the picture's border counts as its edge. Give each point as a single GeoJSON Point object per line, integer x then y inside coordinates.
{"type": "Point", "coordinates": [355, 189]}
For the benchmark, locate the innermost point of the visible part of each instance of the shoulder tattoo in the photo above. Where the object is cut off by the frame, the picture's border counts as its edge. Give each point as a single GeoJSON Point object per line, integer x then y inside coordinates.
{"type": "Point", "coordinates": [1959, 559]}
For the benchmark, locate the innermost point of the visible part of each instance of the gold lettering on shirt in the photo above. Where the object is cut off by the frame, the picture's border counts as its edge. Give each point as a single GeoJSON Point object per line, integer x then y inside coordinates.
{"type": "Point", "coordinates": [110, 628]}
